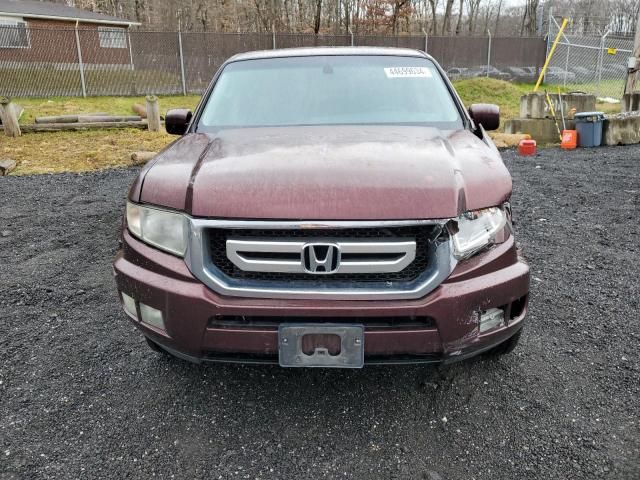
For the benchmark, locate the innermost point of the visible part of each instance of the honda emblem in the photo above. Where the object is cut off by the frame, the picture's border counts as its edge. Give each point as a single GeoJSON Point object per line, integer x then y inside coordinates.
{"type": "Point", "coordinates": [321, 258]}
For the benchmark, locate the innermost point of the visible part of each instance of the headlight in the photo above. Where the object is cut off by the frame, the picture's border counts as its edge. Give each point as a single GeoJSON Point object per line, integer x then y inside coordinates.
{"type": "Point", "coordinates": [476, 230]}
{"type": "Point", "coordinates": [160, 228]}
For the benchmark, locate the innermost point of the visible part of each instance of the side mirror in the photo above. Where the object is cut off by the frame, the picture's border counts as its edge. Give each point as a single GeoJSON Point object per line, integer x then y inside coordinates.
{"type": "Point", "coordinates": [485, 114]}
{"type": "Point", "coordinates": [177, 121]}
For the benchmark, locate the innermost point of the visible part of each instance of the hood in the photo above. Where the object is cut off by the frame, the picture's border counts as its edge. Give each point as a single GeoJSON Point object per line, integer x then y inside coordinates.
{"type": "Point", "coordinates": [327, 173]}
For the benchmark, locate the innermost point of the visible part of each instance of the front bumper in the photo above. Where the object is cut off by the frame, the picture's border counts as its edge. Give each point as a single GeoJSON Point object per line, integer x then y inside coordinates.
{"type": "Point", "coordinates": [194, 315]}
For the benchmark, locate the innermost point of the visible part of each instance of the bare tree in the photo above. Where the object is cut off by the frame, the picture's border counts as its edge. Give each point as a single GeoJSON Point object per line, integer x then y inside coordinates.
{"type": "Point", "coordinates": [434, 8]}
{"type": "Point", "coordinates": [438, 17]}
{"type": "Point", "coordinates": [446, 20]}
{"type": "Point", "coordinates": [202, 14]}
{"type": "Point", "coordinates": [473, 7]}
{"type": "Point", "coordinates": [318, 16]}
{"type": "Point", "coordinates": [460, 12]}
{"type": "Point", "coordinates": [497, 24]}
{"type": "Point", "coordinates": [397, 9]}
{"type": "Point", "coordinates": [529, 18]}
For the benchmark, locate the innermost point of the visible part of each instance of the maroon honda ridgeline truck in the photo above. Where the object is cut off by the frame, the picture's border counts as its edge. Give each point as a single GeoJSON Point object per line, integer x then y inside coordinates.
{"type": "Point", "coordinates": [327, 207]}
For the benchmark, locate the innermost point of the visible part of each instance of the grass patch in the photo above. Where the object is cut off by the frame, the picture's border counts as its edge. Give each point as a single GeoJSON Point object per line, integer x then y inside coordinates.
{"type": "Point", "coordinates": [507, 95]}
{"type": "Point", "coordinates": [55, 152]}
{"type": "Point", "coordinates": [489, 90]}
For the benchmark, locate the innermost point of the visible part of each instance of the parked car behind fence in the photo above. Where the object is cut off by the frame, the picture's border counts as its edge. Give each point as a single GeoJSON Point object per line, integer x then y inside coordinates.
{"type": "Point", "coordinates": [458, 73]}
{"type": "Point", "coordinates": [557, 75]}
{"type": "Point", "coordinates": [522, 74]}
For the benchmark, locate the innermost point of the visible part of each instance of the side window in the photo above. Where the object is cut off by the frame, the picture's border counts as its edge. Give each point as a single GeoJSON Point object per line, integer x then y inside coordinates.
{"type": "Point", "coordinates": [112, 37]}
{"type": "Point", "coordinates": [14, 33]}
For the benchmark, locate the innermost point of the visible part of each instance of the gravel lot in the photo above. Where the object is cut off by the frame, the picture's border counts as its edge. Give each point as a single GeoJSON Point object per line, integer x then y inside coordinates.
{"type": "Point", "coordinates": [81, 395]}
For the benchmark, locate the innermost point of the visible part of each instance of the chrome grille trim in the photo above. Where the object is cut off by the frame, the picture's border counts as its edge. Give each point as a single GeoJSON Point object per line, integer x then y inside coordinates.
{"type": "Point", "coordinates": [237, 250]}
{"type": "Point", "coordinates": [199, 262]}
{"type": "Point", "coordinates": [312, 224]}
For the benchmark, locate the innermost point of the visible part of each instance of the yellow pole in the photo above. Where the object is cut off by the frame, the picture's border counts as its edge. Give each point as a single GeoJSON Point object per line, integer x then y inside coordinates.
{"type": "Point", "coordinates": [553, 49]}
{"type": "Point", "coordinates": [553, 114]}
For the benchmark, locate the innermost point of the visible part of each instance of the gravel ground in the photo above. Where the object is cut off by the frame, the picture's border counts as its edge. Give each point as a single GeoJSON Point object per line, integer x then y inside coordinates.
{"type": "Point", "coordinates": [81, 395]}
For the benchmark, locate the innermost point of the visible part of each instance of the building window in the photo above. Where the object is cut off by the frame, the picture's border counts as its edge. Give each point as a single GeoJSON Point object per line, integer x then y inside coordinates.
{"type": "Point", "coordinates": [112, 37]}
{"type": "Point", "coordinates": [14, 33]}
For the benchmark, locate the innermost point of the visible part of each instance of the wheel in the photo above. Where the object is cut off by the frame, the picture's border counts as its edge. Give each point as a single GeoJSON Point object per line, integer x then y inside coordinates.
{"type": "Point", "coordinates": [505, 347]}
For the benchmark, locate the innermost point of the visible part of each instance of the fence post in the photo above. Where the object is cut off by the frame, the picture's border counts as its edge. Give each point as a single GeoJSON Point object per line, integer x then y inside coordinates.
{"type": "Point", "coordinates": [426, 40]}
{"type": "Point", "coordinates": [273, 35]}
{"type": "Point", "coordinates": [566, 65]}
{"type": "Point", "coordinates": [133, 68]}
{"type": "Point", "coordinates": [184, 83]}
{"type": "Point", "coordinates": [9, 118]}
{"type": "Point", "coordinates": [601, 60]}
{"type": "Point", "coordinates": [549, 26]}
{"type": "Point", "coordinates": [489, 52]}
{"type": "Point", "coordinates": [153, 113]}
{"type": "Point", "coordinates": [84, 87]}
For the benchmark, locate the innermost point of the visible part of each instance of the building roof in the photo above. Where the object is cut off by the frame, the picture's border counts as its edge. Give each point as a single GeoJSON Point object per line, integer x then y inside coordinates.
{"type": "Point", "coordinates": [56, 11]}
{"type": "Point", "coordinates": [320, 51]}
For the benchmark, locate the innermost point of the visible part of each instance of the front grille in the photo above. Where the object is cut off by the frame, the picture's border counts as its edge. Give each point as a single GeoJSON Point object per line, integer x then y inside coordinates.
{"type": "Point", "coordinates": [422, 234]}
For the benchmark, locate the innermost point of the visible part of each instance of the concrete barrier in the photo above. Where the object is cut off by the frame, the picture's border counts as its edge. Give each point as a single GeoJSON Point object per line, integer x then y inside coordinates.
{"type": "Point", "coordinates": [630, 102]}
{"type": "Point", "coordinates": [542, 130]}
{"type": "Point", "coordinates": [534, 105]}
{"type": "Point", "coordinates": [621, 129]}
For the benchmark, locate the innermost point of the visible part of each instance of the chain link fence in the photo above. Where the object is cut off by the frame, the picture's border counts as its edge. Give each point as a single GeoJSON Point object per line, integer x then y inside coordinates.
{"type": "Point", "coordinates": [108, 61]}
{"type": "Point", "coordinates": [595, 64]}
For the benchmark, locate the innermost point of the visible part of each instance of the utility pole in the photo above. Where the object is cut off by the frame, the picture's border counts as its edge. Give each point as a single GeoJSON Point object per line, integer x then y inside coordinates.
{"type": "Point", "coordinates": [634, 62]}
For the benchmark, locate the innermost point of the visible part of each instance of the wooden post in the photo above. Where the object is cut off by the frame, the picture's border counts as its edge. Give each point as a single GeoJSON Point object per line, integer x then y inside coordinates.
{"type": "Point", "coordinates": [153, 113]}
{"type": "Point", "coordinates": [88, 118]}
{"type": "Point", "coordinates": [80, 63]}
{"type": "Point", "coordinates": [634, 63]}
{"type": "Point", "coordinates": [9, 118]}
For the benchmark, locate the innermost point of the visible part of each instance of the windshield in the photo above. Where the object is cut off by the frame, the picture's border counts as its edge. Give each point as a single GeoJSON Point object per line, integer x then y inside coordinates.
{"type": "Point", "coordinates": [330, 90]}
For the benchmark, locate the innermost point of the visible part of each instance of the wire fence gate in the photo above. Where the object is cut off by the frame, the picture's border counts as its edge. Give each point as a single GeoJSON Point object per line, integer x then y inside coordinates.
{"type": "Point", "coordinates": [102, 61]}
{"type": "Point", "coordinates": [595, 64]}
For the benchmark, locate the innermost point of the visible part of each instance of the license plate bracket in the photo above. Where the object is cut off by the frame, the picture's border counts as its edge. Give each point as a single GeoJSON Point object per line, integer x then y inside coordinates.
{"type": "Point", "coordinates": [291, 352]}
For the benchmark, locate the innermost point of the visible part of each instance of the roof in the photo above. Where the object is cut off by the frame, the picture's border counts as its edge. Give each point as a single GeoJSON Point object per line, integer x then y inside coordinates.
{"type": "Point", "coordinates": [56, 11]}
{"type": "Point", "coordinates": [318, 51]}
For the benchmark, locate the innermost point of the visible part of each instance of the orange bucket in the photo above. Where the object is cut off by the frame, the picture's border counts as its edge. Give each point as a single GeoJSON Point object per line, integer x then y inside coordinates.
{"type": "Point", "coordinates": [569, 139]}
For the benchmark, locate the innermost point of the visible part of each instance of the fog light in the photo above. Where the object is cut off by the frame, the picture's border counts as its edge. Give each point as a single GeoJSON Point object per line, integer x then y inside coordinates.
{"type": "Point", "coordinates": [490, 319]}
{"type": "Point", "coordinates": [151, 316]}
{"type": "Point", "coordinates": [129, 305]}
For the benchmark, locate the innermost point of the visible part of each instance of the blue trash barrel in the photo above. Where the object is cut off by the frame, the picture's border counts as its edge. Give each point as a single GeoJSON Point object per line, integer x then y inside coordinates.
{"type": "Point", "coordinates": [589, 128]}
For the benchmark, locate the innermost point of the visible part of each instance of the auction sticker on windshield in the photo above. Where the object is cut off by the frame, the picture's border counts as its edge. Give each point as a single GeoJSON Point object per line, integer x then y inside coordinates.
{"type": "Point", "coordinates": [407, 72]}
